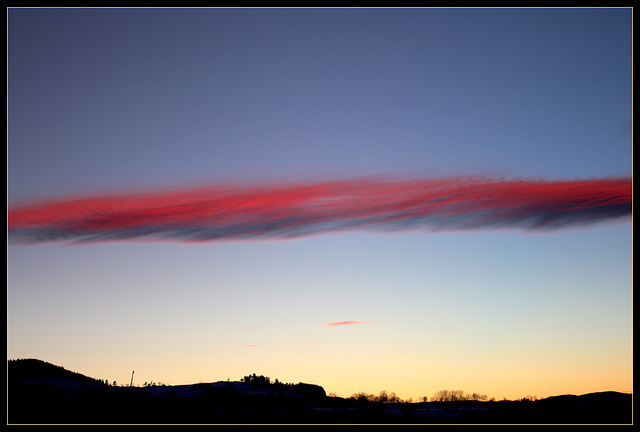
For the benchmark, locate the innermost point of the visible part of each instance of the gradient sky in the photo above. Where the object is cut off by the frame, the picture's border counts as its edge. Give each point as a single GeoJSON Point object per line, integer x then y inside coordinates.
{"type": "Point", "coordinates": [104, 100]}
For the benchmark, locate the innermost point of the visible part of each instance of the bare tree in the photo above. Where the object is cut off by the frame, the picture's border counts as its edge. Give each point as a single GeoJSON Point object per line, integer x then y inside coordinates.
{"type": "Point", "coordinates": [383, 396]}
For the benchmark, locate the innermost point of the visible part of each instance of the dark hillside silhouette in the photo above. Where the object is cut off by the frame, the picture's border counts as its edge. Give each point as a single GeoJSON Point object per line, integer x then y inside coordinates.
{"type": "Point", "coordinates": [39, 369]}
{"type": "Point", "coordinates": [311, 391]}
{"type": "Point", "coordinates": [42, 393]}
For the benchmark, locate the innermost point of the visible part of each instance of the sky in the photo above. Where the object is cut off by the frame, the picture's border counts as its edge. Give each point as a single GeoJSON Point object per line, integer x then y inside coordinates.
{"type": "Point", "coordinates": [407, 200]}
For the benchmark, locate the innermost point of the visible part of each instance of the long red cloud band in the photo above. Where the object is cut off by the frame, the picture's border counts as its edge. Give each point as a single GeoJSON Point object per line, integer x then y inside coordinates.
{"type": "Point", "coordinates": [230, 212]}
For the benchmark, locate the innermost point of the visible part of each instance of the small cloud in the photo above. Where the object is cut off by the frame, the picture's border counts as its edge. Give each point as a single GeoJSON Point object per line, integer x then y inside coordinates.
{"type": "Point", "coordinates": [342, 323]}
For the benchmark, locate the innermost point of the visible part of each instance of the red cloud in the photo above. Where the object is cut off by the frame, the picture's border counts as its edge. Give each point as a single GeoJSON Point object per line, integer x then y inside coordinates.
{"type": "Point", "coordinates": [223, 213]}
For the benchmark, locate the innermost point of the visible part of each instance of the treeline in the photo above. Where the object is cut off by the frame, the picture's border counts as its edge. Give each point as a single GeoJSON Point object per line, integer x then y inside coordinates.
{"type": "Point", "coordinates": [265, 382]}
{"type": "Point", "coordinates": [382, 397]}
{"type": "Point", "coordinates": [439, 396]}
{"type": "Point", "coordinates": [456, 396]}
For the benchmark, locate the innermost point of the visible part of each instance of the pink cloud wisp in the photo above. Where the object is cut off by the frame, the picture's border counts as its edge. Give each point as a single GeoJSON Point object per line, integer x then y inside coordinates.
{"type": "Point", "coordinates": [343, 323]}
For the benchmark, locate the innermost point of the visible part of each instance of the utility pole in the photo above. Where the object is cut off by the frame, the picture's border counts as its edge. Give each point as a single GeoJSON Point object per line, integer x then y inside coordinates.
{"type": "Point", "coordinates": [131, 384]}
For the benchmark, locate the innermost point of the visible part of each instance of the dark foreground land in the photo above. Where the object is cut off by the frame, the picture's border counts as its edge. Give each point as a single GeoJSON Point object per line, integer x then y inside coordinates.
{"type": "Point", "coordinates": [41, 393]}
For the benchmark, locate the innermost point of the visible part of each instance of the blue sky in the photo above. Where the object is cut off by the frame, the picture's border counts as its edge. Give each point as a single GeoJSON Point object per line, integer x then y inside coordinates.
{"type": "Point", "coordinates": [103, 100]}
